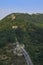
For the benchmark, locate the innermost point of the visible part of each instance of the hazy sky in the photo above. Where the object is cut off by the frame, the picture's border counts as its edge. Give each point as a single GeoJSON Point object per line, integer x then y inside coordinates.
{"type": "Point", "coordinates": [28, 6]}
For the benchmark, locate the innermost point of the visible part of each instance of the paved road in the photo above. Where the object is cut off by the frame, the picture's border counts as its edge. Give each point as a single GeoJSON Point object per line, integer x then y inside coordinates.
{"type": "Point", "coordinates": [27, 57]}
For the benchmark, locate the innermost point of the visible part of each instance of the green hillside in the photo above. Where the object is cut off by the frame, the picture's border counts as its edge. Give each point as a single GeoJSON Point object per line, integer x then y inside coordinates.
{"type": "Point", "coordinates": [29, 31]}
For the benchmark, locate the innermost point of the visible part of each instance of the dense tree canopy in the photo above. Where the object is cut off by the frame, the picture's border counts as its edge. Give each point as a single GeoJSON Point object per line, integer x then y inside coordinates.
{"type": "Point", "coordinates": [29, 32]}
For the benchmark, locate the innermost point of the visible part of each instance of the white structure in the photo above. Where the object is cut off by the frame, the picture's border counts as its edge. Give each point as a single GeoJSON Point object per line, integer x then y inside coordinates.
{"type": "Point", "coordinates": [14, 27]}
{"type": "Point", "coordinates": [13, 17]}
{"type": "Point", "coordinates": [18, 49]}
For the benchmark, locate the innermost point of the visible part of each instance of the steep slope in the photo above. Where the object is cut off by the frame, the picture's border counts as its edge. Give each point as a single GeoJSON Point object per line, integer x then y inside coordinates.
{"type": "Point", "coordinates": [29, 31]}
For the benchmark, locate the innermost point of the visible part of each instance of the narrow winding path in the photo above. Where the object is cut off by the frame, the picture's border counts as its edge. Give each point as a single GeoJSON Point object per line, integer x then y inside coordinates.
{"type": "Point", "coordinates": [27, 57]}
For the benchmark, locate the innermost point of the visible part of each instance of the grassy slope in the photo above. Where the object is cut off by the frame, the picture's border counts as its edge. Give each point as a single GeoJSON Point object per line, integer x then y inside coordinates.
{"type": "Point", "coordinates": [29, 32]}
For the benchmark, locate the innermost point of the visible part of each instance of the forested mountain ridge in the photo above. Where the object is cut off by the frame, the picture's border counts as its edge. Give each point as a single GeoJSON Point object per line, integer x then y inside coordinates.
{"type": "Point", "coordinates": [29, 32]}
{"type": "Point", "coordinates": [22, 19]}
